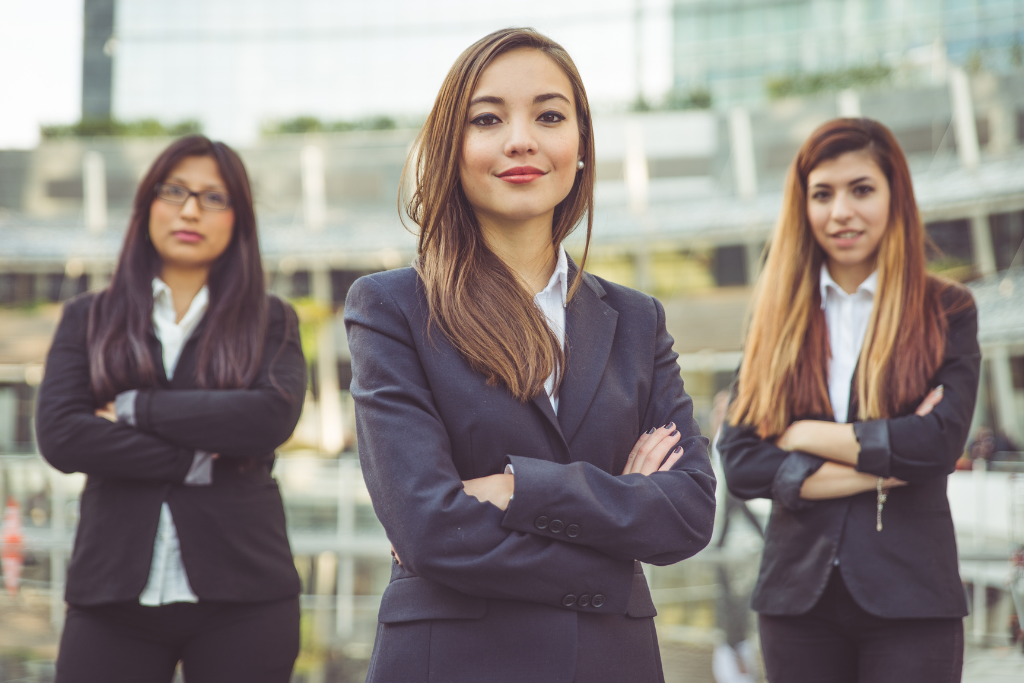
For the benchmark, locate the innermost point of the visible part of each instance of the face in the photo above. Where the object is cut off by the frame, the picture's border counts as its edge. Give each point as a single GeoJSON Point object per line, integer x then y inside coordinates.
{"type": "Point", "coordinates": [848, 208]}
{"type": "Point", "coordinates": [521, 142]}
{"type": "Point", "coordinates": [188, 235]}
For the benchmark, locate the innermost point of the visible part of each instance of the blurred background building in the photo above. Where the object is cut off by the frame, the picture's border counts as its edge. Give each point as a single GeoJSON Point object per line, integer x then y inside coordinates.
{"type": "Point", "coordinates": [689, 187]}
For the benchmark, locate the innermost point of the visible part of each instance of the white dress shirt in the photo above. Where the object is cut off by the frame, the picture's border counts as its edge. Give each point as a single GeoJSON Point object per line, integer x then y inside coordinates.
{"type": "Point", "coordinates": [551, 302]}
{"type": "Point", "coordinates": [167, 580]}
{"type": "Point", "coordinates": [846, 316]}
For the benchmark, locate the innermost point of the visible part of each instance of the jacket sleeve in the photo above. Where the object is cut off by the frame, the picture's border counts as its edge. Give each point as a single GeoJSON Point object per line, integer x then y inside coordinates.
{"type": "Point", "coordinates": [914, 448]}
{"type": "Point", "coordinates": [659, 519]}
{"type": "Point", "coordinates": [440, 532]}
{"type": "Point", "coordinates": [236, 422]}
{"type": "Point", "coordinates": [72, 438]}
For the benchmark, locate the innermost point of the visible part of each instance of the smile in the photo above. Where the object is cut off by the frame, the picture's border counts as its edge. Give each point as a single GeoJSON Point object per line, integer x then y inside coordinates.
{"type": "Point", "coordinates": [521, 174]}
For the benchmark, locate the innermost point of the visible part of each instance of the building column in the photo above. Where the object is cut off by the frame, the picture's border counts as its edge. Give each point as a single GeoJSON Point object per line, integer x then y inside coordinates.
{"type": "Point", "coordinates": [347, 474]}
{"type": "Point", "coordinates": [744, 169]}
{"type": "Point", "coordinates": [981, 244]}
{"type": "Point", "coordinates": [1001, 374]}
{"type": "Point", "coordinates": [331, 434]}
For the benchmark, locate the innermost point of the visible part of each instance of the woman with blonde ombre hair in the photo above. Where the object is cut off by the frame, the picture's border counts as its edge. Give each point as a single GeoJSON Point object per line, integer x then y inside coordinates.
{"type": "Point", "coordinates": [852, 404]}
{"type": "Point", "coordinates": [523, 428]}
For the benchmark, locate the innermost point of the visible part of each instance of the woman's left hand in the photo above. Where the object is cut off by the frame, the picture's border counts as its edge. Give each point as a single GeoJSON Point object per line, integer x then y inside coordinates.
{"type": "Point", "coordinates": [107, 412]}
{"type": "Point", "coordinates": [495, 489]}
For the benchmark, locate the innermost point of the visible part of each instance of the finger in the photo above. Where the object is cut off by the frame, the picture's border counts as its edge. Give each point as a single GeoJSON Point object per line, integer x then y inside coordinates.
{"type": "Point", "coordinates": [658, 454]}
{"type": "Point", "coordinates": [933, 399]}
{"type": "Point", "coordinates": [636, 448]}
{"type": "Point", "coordinates": [673, 458]}
{"type": "Point", "coordinates": [653, 442]}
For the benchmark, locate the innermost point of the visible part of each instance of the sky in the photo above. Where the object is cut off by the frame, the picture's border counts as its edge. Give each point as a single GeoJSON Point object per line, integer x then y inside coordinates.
{"type": "Point", "coordinates": [366, 58]}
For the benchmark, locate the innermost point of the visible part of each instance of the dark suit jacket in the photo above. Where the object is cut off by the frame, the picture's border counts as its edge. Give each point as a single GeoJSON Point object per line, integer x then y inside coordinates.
{"type": "Point", "coordinates": [484, 594]}
{"type": "Point", "coordinates": [910, 568]}
{"type": "Point", "coordinates": [232, 533]}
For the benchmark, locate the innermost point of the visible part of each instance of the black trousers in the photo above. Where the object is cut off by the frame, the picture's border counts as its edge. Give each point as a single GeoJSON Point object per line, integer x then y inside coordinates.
{"type": "Point", "coordinates": [838, 642]}
{"type": "Point", "coordinates": [216, 642]}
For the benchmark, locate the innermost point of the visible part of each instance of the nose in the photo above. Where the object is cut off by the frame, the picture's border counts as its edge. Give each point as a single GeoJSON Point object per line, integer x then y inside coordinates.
{"type": "Point", "coordinates": [842, 207]}
{"type": "Point", "coordinates": [190, 209]}
{"type": "Point", "coordinates": [521, 140]}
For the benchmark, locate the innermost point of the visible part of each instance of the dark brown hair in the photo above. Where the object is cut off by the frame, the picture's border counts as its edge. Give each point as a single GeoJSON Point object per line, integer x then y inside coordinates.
{"type": "Point", "coordinates": [785, 360]}
{"type": "Point", "coordinates": [231, 340]}
{"type": "Point", "coordinates": [482, 307]}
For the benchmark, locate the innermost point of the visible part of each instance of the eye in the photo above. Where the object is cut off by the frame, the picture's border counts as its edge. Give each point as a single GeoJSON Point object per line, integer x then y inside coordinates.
{"type": "Point", "coordinates": [216, 198]}
{"type": "Point", "coordinates": [821, 195]}
{"type": "Point", "coordinates": [863, 190]}
{"type": "Point", "coordinates": [173, 191]}
{"type": "Point", "coordinates": [550, 117]}
{"type": "Point", "coordinates": [486, 120]}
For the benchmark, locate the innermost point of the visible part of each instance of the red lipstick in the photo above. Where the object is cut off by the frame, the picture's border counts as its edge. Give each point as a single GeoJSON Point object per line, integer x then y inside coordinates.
{"type": "Point", "coordinates": [521, 174]}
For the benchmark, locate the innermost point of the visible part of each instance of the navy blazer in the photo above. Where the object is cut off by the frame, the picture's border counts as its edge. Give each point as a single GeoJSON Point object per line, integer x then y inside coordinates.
{"type": "Point", "coordinates": [910, 568]}
{"type": "Point", "coordinates": [486, 594]}
{"type": "Point", "coordinates": [232, 532]}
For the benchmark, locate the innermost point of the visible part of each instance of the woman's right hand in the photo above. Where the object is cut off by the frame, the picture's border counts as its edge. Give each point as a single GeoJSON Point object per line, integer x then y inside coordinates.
{"type": "Point", "coordinates": [655, 451]}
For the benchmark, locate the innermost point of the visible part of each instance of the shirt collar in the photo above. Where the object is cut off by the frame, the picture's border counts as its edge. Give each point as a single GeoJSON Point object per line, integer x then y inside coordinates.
{"type": "Point", "coordinates": [869, 286]}
{"type": "Point", "coordinates": [560, 277]}
{"type": "Point", "coordinates": [163, 302]}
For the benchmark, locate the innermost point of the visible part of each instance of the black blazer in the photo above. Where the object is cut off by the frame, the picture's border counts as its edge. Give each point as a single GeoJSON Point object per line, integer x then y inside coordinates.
{"type": "Point", "coordinates": [484, 594]}
{"type": "Point", "coordinates": [910, 568]}
{"type": "Point", "coordinates": [232, 532]}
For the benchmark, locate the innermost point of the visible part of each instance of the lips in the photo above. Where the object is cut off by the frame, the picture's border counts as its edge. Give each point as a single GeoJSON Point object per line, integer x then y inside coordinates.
{"type": "Point", "coordinates": [187, 236]}
{"type": "Point", "coordinates": [521, 174]}
{"type": "Point", "coordinates": [846, 238]}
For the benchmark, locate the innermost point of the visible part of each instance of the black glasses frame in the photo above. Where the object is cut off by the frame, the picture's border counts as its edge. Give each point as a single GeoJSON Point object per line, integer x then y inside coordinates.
{"type": "Point", "coordinates": [201, 197]}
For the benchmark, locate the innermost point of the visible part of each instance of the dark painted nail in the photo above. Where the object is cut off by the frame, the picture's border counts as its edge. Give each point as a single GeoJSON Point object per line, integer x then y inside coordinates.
{"type": "Point", "coordinates": [674, 433]}
{"type": "Point", "coordinates": [676, 449]}
{"type": "Point", "coordinates": [666, 425]}
{"type": "Point", "coordinates": [652, 430]}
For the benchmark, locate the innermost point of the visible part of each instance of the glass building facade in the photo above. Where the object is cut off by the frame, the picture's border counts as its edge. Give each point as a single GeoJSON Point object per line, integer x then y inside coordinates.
{"type": "Point", "coordinates": [732, 48]}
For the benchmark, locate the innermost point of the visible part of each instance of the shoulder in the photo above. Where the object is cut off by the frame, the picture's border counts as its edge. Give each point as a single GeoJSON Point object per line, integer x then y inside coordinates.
{"type": "Point", "coordinates": [279, 311]}
{"type": "Point", "coordinates": [77, 308]}
{"type": "Point", "coordinates": [625, 300]}
{"type": "Point", "coordinates": [954, 299]}
{"type": "Point", "coordinates": [399, 287]}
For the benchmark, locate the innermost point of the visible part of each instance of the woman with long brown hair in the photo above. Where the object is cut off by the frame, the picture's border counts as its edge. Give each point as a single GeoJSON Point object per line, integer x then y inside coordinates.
{"type": "Point", "coordinates": [170, 389]}
{"type": "Point", "coordinates": [522, 425]}
{"type": "Point", "coordinates": [851, 407]}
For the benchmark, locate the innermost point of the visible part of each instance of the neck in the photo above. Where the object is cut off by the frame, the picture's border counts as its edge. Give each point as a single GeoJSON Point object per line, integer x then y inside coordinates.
{"type": "Point", "coordinates": [524, 246]}
{"type": "Point", "coordinates": [849, 276]}
{"type": "Point", "coordinates": [185, 283]}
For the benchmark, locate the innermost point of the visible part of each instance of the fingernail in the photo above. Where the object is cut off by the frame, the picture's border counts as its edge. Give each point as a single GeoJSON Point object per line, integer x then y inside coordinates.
{"type": "Point", "coordinates": [652, 430]}
{"type": "Point", "coordinates": [674, 433]}
{"type": "Point", "coordinates": [676, 449]}
{"type": "Point", "coordinates": [940, 388]}
{"type": "Point", "coordinates": [666, 425]}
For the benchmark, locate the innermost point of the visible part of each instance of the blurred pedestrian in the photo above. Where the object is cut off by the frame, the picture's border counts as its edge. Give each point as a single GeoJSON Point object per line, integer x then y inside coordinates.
{"type": "Point", "coordinates": [500, 392]}
{"type": "Point", "coordinates": [171, 389]}
{"type": "Point", "coordinates": [852, 405]}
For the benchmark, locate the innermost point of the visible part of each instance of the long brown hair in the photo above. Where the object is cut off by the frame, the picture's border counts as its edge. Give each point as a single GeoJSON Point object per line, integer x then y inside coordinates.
{"type": "Point", "coordinates": [231, 341]}
{"type": "Point", "coordinates": [482, 307]}
{"type": "Point", "coordinates": [785, 360]}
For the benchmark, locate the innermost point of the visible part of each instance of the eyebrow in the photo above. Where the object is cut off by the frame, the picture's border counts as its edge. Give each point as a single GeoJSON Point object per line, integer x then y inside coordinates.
{"type": "Point", "coordinates": [493, 99]}
{"type": "Point", "coordinates": [852, 182]}
{"type": "Point", "coordinates": [177, 180]}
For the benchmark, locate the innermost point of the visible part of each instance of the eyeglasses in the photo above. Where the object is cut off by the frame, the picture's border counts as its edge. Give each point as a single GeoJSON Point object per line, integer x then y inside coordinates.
{"type": "Point", "coordinates": [212, 200]}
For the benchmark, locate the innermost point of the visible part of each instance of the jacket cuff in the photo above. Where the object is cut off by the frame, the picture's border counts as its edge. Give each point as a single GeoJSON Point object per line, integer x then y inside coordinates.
{"type": "Point", "coordinates": [875, 456]}
{"type": "Point", "coordinates": [536, 508]}
{"type": "Point", "coordinates": [142, 421]}
{"type": "Point", "coordinates": [124, 406]}
{"type": "Point", "coordinates": [790, 477]}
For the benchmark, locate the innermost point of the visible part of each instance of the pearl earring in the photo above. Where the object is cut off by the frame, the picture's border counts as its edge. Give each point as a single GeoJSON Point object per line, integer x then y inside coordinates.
{"type": "Point", "coordinates": [579, 165]}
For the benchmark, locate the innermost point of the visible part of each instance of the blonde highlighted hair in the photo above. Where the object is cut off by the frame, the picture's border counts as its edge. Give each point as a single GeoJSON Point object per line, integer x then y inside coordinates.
{"type": "Point", "coordinates": [784, 374]}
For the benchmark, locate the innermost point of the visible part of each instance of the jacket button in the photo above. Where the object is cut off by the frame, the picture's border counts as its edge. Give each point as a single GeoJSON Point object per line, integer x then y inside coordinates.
{"type": "Point", "coordinates": [572, 531]}
{"type": "Point", "coordinates": [584, 600]}
{"type": "Point", "coordinates": [597, 600]}
{"type": "Point", "coordinates": [541, 522]}
{"type": "Point", "coordinates": [569, 600]}
{"type": "Point", "coordinates": [556, 526]}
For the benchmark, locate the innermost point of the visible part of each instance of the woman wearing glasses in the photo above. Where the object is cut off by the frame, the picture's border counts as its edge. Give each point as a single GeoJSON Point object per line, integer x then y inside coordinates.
{"type": "Point", "coordinates": [523, 428]}
{"type": "Point", "coordinates": [853, 402]}
{"type": "Point", "coordinates": [171, 389]}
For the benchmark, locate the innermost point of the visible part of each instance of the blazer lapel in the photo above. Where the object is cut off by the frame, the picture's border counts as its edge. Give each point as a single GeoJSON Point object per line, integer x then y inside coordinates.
{"type": "Point", "coordinates": [156, 353]}
{"type": "Point", "coordinates": [589, 332]}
